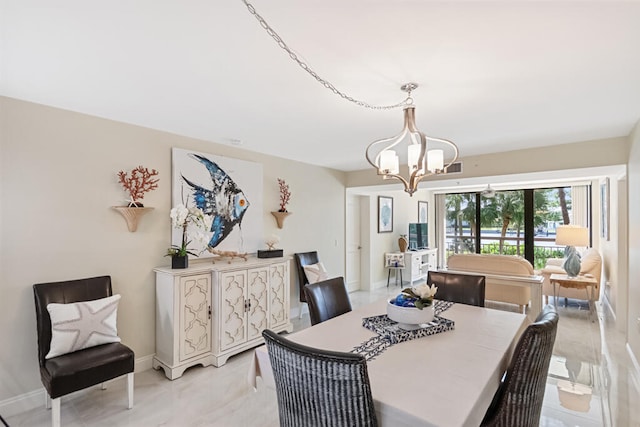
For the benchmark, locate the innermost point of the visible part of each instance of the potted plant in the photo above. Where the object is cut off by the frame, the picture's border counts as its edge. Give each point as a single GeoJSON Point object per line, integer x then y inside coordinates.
{"type": "Point", "coordinates": [413, 306]}
{"type": "Point", "coordinates": [139, 181]}
{"type": "Point", "coordinates": [182, 218]}
{"type": "Point", "coordinates": [285, 197]}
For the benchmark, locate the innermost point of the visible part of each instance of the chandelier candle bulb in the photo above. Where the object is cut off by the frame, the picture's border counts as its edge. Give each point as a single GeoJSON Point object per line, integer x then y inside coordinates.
{"type": "Point", "coordinates": [389, 161]}
{"type": "Point", "coordinates": [435, 160]}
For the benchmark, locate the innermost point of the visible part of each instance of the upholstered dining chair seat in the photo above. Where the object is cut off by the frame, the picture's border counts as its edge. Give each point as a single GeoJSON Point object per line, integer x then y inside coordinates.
{"type": "Point", "coordinates": [318, 388]}
{"type": "Point", "coordinates": [460, 288]}
{"type": "Point", "coordinates": [327, 299]}
{"type": "Point", "coordinates": [97, 365]}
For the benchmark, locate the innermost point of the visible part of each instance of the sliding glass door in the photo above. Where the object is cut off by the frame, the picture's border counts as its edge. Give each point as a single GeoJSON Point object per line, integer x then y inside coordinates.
{"type": "Point", "coordinates": [513, 222]}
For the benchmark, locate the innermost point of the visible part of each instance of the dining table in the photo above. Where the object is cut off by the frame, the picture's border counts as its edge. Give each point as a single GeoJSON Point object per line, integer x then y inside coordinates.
{"type": "Point", "coordinates": [447, 378]}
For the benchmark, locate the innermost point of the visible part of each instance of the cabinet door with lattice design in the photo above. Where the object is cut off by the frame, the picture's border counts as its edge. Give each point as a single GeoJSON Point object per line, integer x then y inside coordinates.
{"type": "Point", "coordinates": [233, 309]}
{"type": "Point", "coordinates": [279, 296]}
{"type": "Point", "coordinates": [258, 301]}
{"type": "Point", "coordinates": [195, 315]}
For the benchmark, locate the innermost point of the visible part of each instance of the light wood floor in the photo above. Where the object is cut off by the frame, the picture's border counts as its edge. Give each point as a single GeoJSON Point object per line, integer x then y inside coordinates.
{"type": "Point", "coordinates": [593, 355]}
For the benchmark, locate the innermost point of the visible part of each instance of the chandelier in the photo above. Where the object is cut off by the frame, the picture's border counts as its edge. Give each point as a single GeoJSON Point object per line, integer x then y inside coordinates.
{"type": "Point", "coordinates": [421, 155]}
{"type": "Point", "coordinates": [419, 159]}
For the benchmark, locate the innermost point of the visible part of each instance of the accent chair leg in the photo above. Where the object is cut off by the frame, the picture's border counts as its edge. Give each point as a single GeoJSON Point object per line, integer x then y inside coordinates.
{"type": "Point", "coordinates": [47, 400]}
{"type": "Point", "coordinates": [55, 412]}
{"type": "Point", "coordinates": [130, 389]}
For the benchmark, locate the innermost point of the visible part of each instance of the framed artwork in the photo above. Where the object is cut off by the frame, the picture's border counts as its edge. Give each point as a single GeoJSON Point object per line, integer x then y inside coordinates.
{"type": "Point", "coordinates": [422, 211]}
{"type": "Point", "coordinates": [385, 214]}
{"type": "Point", "coordinates": [604, 209]}
{"type": "Point", "coordinates": [229, 192]}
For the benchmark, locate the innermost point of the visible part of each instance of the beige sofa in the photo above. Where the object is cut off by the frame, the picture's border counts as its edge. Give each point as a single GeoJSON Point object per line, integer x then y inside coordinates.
{"type": "Point", "coordinates": [590, 264]}
{"type": "Point", "coordinates": [509, 279]}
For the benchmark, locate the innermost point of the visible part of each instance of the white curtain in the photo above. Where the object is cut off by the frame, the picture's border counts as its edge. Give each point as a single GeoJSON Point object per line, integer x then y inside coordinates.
{"type": "Point", "coordinates": [579, 205]}
{"type": "Point", "coordinates": [441, 228]}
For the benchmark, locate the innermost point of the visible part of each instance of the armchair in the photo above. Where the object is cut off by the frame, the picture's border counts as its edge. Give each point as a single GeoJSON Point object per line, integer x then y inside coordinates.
{"type": "Point", "coordinates": [591, 264]}
{"type": "Point", "coordinates": [66, 373]}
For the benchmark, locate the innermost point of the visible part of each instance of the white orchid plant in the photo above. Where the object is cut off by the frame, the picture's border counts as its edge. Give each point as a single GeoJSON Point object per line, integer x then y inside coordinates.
{"type": "Point", "coordinates": [420, 296]}
{"type": "Point", "coordinates": [183, 217]}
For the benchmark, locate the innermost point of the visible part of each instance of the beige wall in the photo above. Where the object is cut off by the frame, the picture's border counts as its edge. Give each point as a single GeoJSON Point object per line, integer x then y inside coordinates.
{"type": "Point", "coordinates": [405, 210]}
{"type": "Point", "coordinates": [57, 183]}
{"type": "Point", "coordinates": [633, 328]}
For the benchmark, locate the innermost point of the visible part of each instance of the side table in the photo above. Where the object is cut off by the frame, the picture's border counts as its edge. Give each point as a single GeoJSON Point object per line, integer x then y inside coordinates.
{"type": "Point", "coordinates": [395, 275]}
{"type": "Point", "coordinates": [579, 282]}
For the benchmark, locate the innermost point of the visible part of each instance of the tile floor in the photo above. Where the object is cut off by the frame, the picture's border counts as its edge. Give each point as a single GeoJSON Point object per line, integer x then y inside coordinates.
{"type": "Point", "coordinates": [591, 383]}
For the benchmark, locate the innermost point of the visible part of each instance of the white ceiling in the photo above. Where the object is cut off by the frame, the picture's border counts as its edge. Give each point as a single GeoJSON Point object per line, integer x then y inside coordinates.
{"type": "Point", "coordinates": [493, 76]}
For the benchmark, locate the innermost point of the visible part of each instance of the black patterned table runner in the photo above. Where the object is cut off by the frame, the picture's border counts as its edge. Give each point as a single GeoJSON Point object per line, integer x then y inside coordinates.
{"type": "Point", "coordinates": [389, 333]}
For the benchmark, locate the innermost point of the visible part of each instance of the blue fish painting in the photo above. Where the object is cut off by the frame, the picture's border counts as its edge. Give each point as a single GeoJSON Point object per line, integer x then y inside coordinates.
{"type": "Point", "coordinates": [225, 202]}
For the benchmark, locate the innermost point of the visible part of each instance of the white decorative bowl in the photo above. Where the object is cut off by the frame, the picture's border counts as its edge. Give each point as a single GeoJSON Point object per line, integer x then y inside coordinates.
{"type": "Point", "coordinates": [410, 318]}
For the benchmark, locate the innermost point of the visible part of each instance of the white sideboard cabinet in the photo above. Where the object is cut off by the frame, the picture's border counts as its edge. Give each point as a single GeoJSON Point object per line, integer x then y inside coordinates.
{"type": "Point", "coordinates": [418, 263]}
{"type": "Point", "coordinates": [208, 312]}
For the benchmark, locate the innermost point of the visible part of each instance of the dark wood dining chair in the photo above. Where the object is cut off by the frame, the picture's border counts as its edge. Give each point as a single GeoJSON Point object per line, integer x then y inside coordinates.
{"type": "Point", "coordinates": [319, 387]}
{"type": "Point", "coordinates": [301, 259]}
{"type": "Point", "coordinates": [84, 368]}
{"type": "Point", "coordinates": [327, 299]}
{"type": "Point", "coordinates": [518, 401]}
{"type": "Point", "coordinates": [460, 288]}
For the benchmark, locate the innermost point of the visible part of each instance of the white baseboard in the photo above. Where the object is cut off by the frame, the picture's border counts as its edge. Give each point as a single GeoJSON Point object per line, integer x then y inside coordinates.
{"type": "Point", "coordinates": [143, 363]}
{"type": "Point", "coordinates": [22, 403]}
{"type": "Point", "coordinates": [36, 398]}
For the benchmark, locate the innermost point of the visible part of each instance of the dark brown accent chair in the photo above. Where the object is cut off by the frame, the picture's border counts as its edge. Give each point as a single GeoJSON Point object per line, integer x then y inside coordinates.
{"type": "Point", "coordinates": [302, 259]}
{"type": "Point", "coordinates": [319, 387]}
{"type": "Point", "coordinates": [75, 371]}
{"type": "Point", "coordinates": [518, 401]}
{"type": "Point", "coordinates": [460, 288]}
{"type": "Point", "coordinates": [327, 299]}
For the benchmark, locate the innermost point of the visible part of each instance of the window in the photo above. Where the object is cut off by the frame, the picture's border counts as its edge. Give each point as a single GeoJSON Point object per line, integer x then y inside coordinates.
{"type": "Point", "coordinates": [513, 222]}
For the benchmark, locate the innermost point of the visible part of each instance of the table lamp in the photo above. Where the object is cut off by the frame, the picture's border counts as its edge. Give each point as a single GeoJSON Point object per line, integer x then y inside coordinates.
{"type": "Point", "coordinates": [572, 236]}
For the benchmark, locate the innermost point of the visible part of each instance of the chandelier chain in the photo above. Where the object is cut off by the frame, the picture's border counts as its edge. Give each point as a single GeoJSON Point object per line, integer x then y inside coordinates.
{"type": "Point", "coordinates": [308, 69]}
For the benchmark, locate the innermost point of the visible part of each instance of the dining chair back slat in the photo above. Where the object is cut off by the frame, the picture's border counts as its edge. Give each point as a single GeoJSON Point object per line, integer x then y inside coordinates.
{"type": "Point", "coordinates": [518, 401]}
{"type": "Point", "coordinates": [327, 299]}
{"type": "Point", "coordinates": [302, 259]}
{"type": "Point", "coordinates": [460, 288]}
{"type": "Point", "coordinates": [318, 387]}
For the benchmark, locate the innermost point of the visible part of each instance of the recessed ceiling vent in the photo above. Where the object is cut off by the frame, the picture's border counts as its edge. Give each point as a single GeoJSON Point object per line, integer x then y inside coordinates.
{"type": "Point", "coordinates": [454, 168]}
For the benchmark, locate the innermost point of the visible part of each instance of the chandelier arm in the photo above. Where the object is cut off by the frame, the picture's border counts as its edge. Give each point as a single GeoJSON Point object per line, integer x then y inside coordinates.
{"type": "Point", "coordinates": [399, 177]}
{"type": "Point", "coordinates": [453, 146]}
{"type": "Point", "coordinates": [376, 142]}
{"type": "Point", "coordinates": [276, 37]}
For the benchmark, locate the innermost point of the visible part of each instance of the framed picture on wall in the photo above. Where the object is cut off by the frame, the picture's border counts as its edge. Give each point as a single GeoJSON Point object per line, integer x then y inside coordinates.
{"type": "Point", "coordinates": [385, 214]}
{"type": "Point", "coordinates": [604, 209]}
{"type": "Point", "coordinates": [422, 211]}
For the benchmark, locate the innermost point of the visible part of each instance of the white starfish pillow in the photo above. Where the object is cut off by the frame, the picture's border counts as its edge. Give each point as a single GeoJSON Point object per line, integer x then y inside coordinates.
{"type": "Point", "coordinates": [315, 272]}
{"type": "Point", "coordinates": [82, 325]}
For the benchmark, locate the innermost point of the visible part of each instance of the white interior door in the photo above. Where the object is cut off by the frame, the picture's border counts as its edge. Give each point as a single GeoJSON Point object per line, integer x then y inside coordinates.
{"type": "Point", "coordinates": [353, 245]}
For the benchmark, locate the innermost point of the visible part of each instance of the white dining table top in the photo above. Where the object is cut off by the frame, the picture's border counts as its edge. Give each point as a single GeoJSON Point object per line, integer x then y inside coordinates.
{"type": "Point", "coordinates": [446, 379]}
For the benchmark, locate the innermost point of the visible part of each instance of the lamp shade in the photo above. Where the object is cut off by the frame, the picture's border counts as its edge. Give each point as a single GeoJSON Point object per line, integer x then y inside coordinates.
{"type": "Point", "coordinates": [572, 235]}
